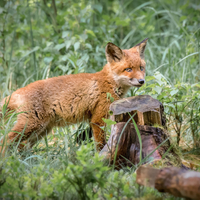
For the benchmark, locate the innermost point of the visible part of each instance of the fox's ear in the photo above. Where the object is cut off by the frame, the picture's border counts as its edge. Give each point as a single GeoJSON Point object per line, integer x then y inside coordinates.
{"type": "Point", "coordinates": [113, 53]}
{"type": "Point", "coordinates": [141, 47]}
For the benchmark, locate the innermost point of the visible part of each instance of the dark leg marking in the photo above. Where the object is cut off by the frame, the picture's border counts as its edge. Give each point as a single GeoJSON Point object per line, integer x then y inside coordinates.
{"type": "Point", "coordinates": [54, 111]}
{"type": "Point", "coordinates": [71, 108]}
{"type": "Point", "coordinates": [60, 106]}
{"type": "Point", "coordinates": [36, 114]}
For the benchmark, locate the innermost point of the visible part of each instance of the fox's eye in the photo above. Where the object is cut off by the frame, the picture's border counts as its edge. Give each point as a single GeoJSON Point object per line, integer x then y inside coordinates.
{"type": "Point", "coordinates": [128, 69]}
{"type": "Point", "coordinates": [141, 68]}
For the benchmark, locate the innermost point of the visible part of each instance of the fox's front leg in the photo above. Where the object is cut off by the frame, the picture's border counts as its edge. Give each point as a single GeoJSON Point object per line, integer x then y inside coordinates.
{"type": "Point", "coordinates": [98, 133]}
{"type": "Point", "coordinates": [99, 136]}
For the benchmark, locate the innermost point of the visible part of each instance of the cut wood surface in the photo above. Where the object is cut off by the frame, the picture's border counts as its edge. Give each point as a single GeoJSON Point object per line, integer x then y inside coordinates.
{"type": "Point", "coordinates": [178, 182]}
{"type": "Point", "coordinates": [147, 110]}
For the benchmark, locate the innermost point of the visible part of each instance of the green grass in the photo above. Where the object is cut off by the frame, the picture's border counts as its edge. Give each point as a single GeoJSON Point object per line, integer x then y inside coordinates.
{"type": "Point", "coordinates": [38, 41]}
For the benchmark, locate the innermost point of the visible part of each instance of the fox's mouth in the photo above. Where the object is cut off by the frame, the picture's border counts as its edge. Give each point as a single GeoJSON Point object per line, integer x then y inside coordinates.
{"type": "Point", "coordinates": [139, 85]}
{"type": "Point", "coordinates": [135, 83]}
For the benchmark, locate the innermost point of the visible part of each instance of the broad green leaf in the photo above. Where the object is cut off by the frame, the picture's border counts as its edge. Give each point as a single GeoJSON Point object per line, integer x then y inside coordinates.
{"type": "Point", "coordinates": [65, 34]}
{"type": "Point", "coordinates": [68, 43]}
{"type": "Point", "coordinates": [158, 89]}
{"type": "Point", "coordinates": [88, 45]}
{"type": "Point", "coordinates": [76, 46]}
{"type": "Point", "coordinates": [109, 122]}
{"type": "Point", "coordinates": [47, 60]}
{"type": "Point", "coordinates": [91, 33]}
{"type": "Point", "coordinates": [149, 78]}
{"type": "Point", "coordinates": [59, 46]}
{"type": "Point", "coordinates": [64, 58]}
{"type": "Point", "coordinates": [174, 91]}
{"type": "Point", "coordinates": [98, 7]}
{"type": "Point", "coordinates": [1, 10]}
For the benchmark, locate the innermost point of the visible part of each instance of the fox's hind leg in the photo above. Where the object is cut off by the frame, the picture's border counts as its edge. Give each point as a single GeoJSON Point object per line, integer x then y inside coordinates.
{"type": "Point", "coordinates": [98, 133]}
{"type": "Point", "coordinates": [99, 137]}
{"type": "Point", "coordinates": [97, 123]}
{"type": "Point", "coordinates": [35, 137]}
{"type": "Point", "coordinates": [21, 132]}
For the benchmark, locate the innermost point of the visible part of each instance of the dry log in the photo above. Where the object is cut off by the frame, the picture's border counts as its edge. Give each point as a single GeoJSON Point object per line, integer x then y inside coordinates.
{"type": "Point", "coordinates": [178, 182]}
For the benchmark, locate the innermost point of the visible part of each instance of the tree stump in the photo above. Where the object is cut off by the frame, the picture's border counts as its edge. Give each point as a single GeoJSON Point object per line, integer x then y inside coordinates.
{"type": "Point", "coordinates": [178, 182]}
{"type": "Point", "coordinates": [123, 146]}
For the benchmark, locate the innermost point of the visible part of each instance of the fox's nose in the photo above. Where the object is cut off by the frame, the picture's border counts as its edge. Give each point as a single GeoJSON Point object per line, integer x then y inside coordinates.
{"type": "Point", "coordinates": [141, 81]}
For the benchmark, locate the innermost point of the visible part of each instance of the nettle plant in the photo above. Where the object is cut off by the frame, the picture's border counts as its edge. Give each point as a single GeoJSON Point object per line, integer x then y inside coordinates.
{"type": "Point", "coordinates": [181, 103]}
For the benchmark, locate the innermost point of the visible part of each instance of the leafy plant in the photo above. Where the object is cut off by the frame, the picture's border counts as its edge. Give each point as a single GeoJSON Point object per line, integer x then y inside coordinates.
{"type": "Point", "coordinates": [180, 102]}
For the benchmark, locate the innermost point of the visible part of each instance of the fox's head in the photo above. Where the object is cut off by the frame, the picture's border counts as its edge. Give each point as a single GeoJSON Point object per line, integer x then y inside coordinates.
{"type": "Point", "coordinates": [127, 66]}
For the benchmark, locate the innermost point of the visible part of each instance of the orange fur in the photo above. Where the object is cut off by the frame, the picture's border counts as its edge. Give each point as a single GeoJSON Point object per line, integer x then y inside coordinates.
{"type": "Point", "coordinates": [69, 99]}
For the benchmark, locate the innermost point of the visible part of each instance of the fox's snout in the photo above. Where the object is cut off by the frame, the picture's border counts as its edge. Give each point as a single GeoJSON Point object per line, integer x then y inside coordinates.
{"type": "Point", "coordinates": [141, 81]}
{"type": "Point", "coordinates": [134, 82]}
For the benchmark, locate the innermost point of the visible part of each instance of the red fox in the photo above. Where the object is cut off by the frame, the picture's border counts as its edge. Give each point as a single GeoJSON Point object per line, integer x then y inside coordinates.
{"type": "Point", "coordinates": [69, 99]}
